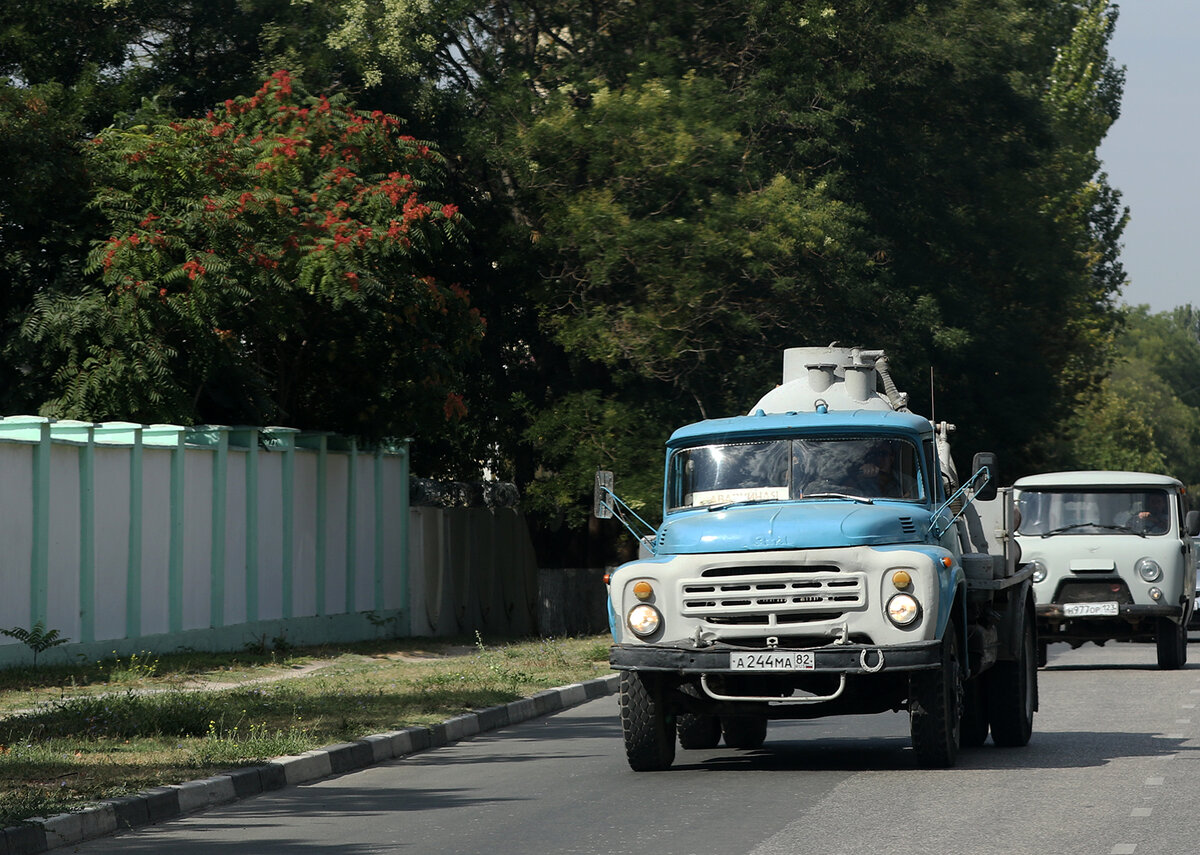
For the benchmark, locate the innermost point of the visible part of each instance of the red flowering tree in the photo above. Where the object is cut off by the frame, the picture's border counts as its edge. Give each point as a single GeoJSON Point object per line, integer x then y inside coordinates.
{"type": "Point", "coordinates": [276, 261]}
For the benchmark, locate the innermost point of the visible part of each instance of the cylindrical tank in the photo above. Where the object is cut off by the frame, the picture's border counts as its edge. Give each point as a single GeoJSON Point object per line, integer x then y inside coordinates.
{"type": "Point", "coordinates": [843, 378]}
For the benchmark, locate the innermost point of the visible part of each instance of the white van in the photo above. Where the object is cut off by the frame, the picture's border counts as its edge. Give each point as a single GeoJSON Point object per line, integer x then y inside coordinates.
{"type": "Point", "coordinates": [1112, 558]}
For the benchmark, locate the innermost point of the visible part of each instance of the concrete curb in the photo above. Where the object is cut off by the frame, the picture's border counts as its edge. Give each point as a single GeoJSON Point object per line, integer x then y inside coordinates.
{"type": "Point", "coordinates": [161, 803]}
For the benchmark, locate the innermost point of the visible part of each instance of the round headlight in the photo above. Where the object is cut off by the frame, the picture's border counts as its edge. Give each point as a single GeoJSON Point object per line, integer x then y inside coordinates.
{"type": "Point", "coordinates": [903, 609]}
{"type": "Point", "coordinates": [644, 620]}
{"type": "Point", "coordinates": [1039, 570]}
{"type": "Point", "coordinates": [1149, 570]}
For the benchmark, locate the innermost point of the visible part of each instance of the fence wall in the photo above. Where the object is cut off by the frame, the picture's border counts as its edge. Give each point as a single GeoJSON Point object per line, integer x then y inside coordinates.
{"type": "Point", "coordinates": [127, 537]}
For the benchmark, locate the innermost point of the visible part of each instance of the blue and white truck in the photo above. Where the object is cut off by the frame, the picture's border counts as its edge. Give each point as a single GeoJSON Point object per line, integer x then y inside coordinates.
{"type": "Point", "coordinates": [818, 557]}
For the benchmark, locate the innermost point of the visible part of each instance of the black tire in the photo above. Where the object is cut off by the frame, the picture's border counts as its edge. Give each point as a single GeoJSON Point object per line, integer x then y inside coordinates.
{"type": "Point", "coordinates": [649, 732]}
{"type": "Point", "coordinates": [1012, 693]}
{"type": "Point", "coordinates": [935, 708]}
{"type": "Point", "coordinates": [697, 731]}
{"type": "Point", "coordinates": [1172, 644]}
{"type": "Point", "coordinates": [974, 726]}
{"type": "Point", "coordinates": [744, 731]}
{"type": "Point", "coordinates": [1043, 654]}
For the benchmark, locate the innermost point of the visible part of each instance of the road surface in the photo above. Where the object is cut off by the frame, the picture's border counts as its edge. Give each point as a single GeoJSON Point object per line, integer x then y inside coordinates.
{"type": "Point", "coordinates": [1113, 769]}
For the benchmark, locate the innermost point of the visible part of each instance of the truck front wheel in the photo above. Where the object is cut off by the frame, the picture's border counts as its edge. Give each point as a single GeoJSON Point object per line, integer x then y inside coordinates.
{"type": "Point", "coordinates": [935, 708]}
{"type": "Point", "coordinates": [649, 732]}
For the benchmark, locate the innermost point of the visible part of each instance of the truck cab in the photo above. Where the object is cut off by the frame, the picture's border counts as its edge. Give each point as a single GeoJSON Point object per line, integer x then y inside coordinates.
{"type": "Point", "coordinates": [818, 557]}
{"type": "Point", "coordinates": [1112, 558]}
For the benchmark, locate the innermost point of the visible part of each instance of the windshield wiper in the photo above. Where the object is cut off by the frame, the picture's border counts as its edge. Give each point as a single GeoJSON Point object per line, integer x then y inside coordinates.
{"type": "Point", "coordinates": [1067, 528]}
{"type": "Point", "coordinates": [864, 499]}
{"type": "Point", "coordinates": [720, 506]}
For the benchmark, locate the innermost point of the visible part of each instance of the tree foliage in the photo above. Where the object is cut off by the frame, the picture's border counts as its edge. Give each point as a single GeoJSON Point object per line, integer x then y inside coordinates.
{"type": "Point", "coordinates": [1146, 414]}
{"type": "Point", "coordinates": [663, 197]}
{"type": "Point", "coordinates": [269, 263]}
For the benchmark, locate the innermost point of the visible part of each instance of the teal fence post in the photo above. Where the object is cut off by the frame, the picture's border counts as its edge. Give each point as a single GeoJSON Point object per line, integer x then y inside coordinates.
{"type": "Point", "coordinates": [36, 430]}
{"type": "Point", "coordinates": [173, 437]}
{"type": "Point", "coordinates": [284, 439]}
{"type": "Point", "coordinates": [248, 438]}
{"type": "Point", "coordinates": [83, 435]}
{"type": "Point", "coordinates": [217, 564]}
{"type": "Point", "coordinates": [130, 433]}
{"type": "Point", "coordinates": [405, 520]}
{"type": "Point", "coordinates": [320, 443]}
{"type": "Point", "coordinates": [351, 526]}
{"type": "Point", "coordinates": [379, 522]}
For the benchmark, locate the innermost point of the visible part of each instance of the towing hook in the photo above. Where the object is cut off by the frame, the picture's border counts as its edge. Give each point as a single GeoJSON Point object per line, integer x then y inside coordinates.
{"type": "Point", "coordinates": [871, 669]}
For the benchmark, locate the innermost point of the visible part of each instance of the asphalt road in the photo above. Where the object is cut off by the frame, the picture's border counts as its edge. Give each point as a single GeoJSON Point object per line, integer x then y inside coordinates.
{"type": "Point", "coordinates": [1113, 769]}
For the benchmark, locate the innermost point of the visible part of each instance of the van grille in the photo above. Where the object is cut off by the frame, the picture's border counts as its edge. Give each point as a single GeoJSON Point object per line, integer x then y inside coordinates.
{"type": "Point", "coordinates": [772, 596]}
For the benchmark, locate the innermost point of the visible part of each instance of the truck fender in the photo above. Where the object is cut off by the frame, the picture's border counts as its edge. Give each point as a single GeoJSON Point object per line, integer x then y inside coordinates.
{"type": "Point", "coordinates": [1017, 615]}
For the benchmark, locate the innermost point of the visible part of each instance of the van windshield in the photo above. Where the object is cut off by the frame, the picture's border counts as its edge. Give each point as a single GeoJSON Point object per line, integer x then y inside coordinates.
{"type": "Point", "coordinates": [1052, 513]}
{"type": "Point", "coordinates": [776, 470]}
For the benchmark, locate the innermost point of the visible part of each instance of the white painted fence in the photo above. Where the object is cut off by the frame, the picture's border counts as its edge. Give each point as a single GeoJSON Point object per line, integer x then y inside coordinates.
{"type": "Point", "coordinates": [127, 537]}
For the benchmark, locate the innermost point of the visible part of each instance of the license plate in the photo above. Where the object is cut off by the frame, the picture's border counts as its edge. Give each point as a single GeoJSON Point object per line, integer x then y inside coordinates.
{"type": "Point", "coordinates": [1090, 609]}
{"type": "Point", "coordinates": [767, 660]}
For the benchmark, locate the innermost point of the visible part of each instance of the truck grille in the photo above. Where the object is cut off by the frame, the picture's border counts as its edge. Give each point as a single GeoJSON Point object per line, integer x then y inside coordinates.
{"type": "Point", "coordinates": [772, 596]}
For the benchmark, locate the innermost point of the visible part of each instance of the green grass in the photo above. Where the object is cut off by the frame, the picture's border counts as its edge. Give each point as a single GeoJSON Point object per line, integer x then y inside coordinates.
{"type": "Point", "coordinates": [70, 735]}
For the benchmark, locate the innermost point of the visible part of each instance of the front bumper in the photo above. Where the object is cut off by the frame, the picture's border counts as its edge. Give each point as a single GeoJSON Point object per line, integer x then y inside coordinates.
{"type": "Point", "coordinates": [849, 659]}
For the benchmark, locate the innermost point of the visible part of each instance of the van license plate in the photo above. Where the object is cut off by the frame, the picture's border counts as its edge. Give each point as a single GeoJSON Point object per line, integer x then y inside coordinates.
{"type": "Point", "coordinates": [1090, 609]}
{"type": "Point", "coordinates": [766, 660]}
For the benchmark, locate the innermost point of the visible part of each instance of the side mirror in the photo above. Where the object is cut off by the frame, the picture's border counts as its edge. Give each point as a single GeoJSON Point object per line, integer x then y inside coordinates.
{"type": "Point", "coordinates": [988, 491]}
{"type": "Point", "coordinates": [1191, 523]}
{"type": "Point", "coordinates": [601, 501]}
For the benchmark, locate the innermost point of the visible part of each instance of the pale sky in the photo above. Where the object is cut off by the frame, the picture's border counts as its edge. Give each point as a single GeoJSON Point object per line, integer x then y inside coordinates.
{"type": "Point", "coordinates": [1151, 153]}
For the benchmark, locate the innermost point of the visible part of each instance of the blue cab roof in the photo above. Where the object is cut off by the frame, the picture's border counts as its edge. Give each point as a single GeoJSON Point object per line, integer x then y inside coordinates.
{"type": "Point", "coordinates": [764, 425]}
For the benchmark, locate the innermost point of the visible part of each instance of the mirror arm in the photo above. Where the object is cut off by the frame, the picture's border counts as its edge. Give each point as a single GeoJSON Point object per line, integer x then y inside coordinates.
{"type": "Point", "coordinates": [983, 473]}
{"type": "Point", "coordinates": [613, 504]}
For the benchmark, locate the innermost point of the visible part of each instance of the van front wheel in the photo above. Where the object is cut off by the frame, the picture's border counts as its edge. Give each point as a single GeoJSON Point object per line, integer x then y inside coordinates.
{"type": "Point", "coordinates": [1172, 644]}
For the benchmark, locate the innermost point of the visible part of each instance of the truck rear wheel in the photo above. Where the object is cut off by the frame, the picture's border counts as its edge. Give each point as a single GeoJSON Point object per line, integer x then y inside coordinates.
{"type": "Point", "coordinates": [935, 708]}
{"type": "Point", "coordinates": [1172, 644]}
{"type": "Point", "coordinates": [1012, 693]}
{"type": "Point", "coordinates": [649, 732]}
{"type": "Point", "coordinates": [744, 731]}
{"type": "Point", "coordinates": [695, 730]}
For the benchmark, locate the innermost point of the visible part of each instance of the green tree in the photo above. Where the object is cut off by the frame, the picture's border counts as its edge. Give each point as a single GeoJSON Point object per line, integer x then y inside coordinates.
{"type": "Point", "coordinates": [45, 223]}
{"type": "Point", "coordinates": [704, 186]}
{"type": "Point", "coordinates": [1147, 413]}
{"type": "Point", "coordinates": [274, 262]}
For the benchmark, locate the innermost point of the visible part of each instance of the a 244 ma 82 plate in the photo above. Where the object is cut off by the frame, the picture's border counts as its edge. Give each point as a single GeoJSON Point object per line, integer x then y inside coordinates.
{"type": "Point", "coordinates": [769, 660]}
{"type": "Point", "coordinates": [1090, 609]}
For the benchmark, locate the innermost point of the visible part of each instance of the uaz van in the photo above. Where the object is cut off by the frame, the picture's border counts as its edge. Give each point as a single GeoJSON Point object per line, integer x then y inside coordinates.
{"type": "Point", "coordinates": [1112, 558]}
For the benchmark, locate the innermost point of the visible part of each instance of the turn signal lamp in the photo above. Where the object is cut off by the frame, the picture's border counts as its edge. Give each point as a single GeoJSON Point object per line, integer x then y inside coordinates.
{"type": "Point", "coordinates": [643, 590]}
{"type": "Point", "coordinates": [947, 561]}
{"type": "Point", "coordinates": [901, 579]}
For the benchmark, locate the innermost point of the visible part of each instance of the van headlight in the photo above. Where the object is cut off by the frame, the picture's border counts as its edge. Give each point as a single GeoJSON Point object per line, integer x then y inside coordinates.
{"type": "Point", "coordinates": [903, 609]}
{"type": "Point", "coordinates": [1039, 570]}
{"type": "Point", "coordinates": [1149, 570]}
{"type": "Point", "coordinates": [643, 620]}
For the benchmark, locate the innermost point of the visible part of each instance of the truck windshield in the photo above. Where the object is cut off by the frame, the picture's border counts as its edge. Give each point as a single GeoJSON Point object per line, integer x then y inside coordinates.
{"type": "Point", "coordinates": [1053, 513]}
{"type": "Point", "coordinates": [775, 470]}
